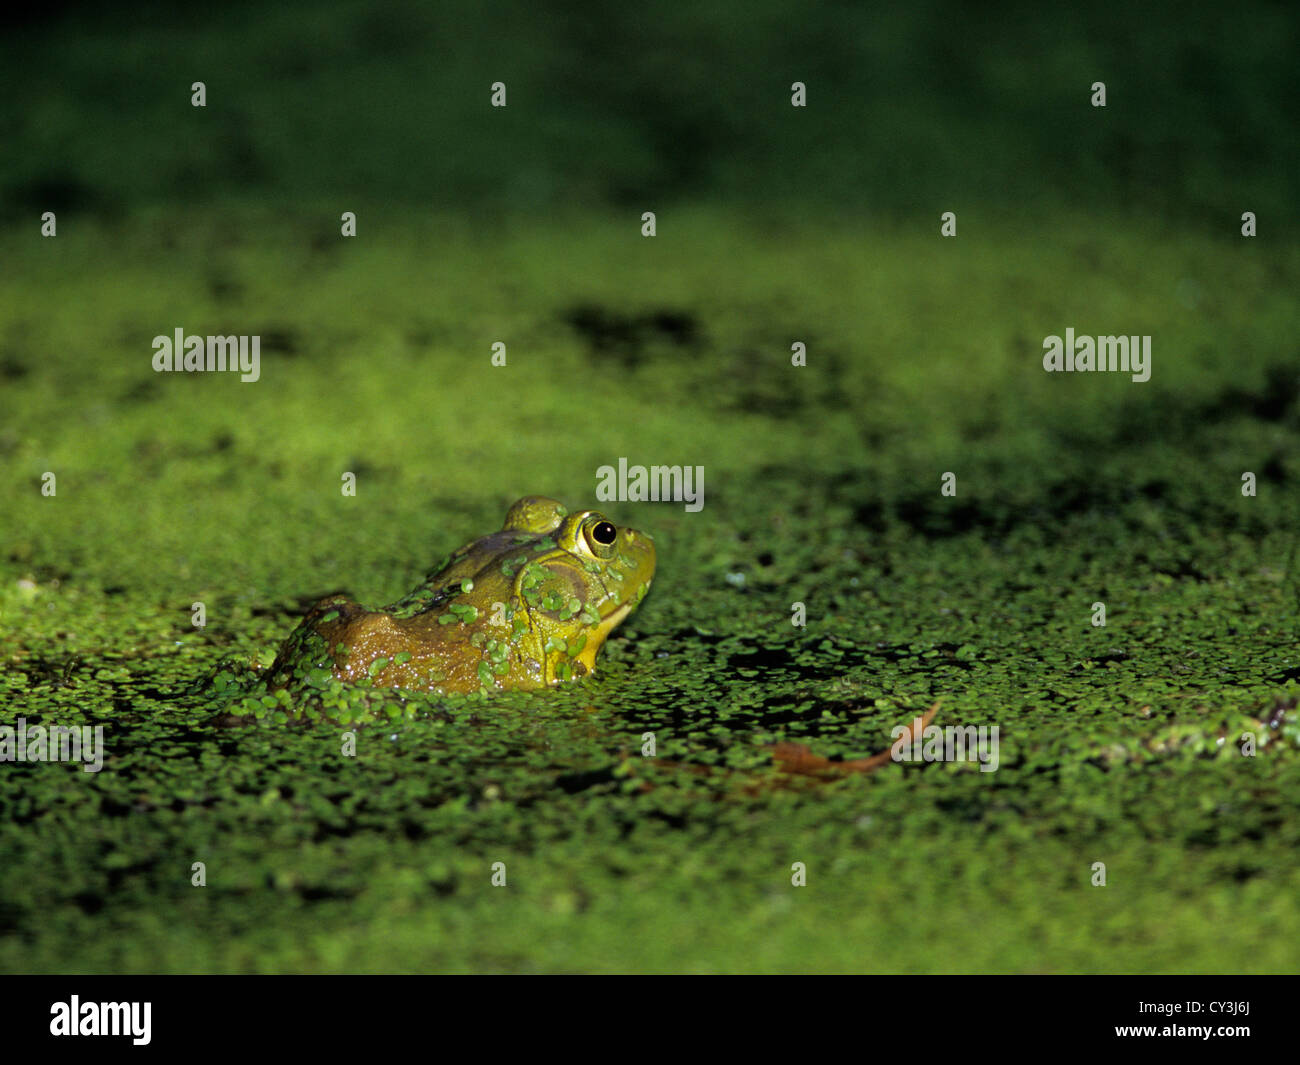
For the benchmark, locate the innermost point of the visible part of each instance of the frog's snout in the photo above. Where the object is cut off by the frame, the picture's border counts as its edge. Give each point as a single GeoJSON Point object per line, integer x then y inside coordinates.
{"type": "Point", "coordinates": [642, 548]}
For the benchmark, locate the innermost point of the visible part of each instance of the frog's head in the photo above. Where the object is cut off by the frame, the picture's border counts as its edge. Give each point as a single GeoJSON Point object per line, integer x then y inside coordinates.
{"type": "Point", "coordinates": [587, 583]}
{"type": "Point", "coordinates": [618, 563]}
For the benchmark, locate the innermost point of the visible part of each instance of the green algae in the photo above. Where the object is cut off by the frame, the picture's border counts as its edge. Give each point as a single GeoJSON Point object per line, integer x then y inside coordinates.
{"type": "Point", "coordinates": [1118, 744]}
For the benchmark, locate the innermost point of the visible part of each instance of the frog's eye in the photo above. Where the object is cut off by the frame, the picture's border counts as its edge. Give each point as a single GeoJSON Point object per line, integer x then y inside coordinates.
{"type": "Point", "coordinates": [600, 538]}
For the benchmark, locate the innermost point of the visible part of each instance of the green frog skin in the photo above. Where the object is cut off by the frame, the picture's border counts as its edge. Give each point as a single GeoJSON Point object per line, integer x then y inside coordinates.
{"type": "Point", "coordinates": [527, 607]}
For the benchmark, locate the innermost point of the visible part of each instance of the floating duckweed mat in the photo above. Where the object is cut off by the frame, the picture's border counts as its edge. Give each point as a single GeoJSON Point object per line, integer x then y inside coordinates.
{"type": "Point", "coordinates": [1118, 744]}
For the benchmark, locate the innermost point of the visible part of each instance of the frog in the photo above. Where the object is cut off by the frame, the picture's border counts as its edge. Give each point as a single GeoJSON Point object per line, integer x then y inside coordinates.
{"type": "Point", "coordinates": [526, 607]}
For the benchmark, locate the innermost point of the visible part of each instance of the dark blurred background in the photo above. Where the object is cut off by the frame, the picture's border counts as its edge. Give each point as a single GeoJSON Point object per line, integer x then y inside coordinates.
{"type": "Point", "coordinates": [621, 105]}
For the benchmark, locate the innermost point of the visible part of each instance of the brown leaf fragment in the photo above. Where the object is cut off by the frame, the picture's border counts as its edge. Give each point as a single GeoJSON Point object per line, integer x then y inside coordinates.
{"type": "Point", "coordinates": [799, 758]}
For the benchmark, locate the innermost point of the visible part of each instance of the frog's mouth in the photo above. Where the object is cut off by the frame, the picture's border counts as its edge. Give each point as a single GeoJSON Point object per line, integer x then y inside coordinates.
{"type": "Point", "coordinates": [611, 621]}
{"type": "Point", "coordinates": [607, 625]}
